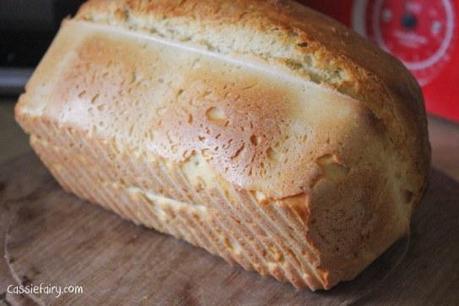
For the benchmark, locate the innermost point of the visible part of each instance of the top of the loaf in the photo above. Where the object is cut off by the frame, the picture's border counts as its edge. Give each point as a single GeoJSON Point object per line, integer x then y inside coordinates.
{"type": "Point", "coordinates": [294, 37]}
{"type": "Point", "coordinates": [325, 98]}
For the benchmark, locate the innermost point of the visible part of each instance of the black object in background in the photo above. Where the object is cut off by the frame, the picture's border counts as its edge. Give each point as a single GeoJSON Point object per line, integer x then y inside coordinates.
{"type": "Point", "coordinates": [27, 27]}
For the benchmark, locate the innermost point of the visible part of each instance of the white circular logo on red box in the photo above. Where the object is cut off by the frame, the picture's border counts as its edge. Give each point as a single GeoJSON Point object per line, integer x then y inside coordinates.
{"type": "Point", "coordinates": [418, 32]}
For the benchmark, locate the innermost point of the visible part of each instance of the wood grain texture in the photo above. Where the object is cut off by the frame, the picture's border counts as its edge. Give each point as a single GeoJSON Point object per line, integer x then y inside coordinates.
{"type": "Point", "coordinates": [53, 237]}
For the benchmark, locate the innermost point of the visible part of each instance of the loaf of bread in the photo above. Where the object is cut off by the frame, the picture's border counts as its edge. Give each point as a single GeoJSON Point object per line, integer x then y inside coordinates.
{"type": "Point", "coordinates": [261, 131]}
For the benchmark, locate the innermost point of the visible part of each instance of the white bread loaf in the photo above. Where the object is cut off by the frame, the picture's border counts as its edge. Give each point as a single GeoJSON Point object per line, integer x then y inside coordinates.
{"type": "Point", "coordinates": [261, 131]}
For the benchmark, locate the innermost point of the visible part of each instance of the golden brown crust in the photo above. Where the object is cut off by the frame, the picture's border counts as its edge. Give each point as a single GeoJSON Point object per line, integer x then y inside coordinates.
{"type": "Point", "coordinates": [233, 107]}
{"type": "Point", "coordinates": [289, 34]}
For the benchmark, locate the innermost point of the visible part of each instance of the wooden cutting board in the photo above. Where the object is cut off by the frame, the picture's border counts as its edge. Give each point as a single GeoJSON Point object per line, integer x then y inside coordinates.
{"type": "Point", "coordinates": [51, 237]}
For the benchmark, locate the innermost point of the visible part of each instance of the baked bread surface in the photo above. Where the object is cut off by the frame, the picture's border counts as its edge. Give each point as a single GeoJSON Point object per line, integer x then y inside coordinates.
{"type": "Point", "coordinates": [261, 131]}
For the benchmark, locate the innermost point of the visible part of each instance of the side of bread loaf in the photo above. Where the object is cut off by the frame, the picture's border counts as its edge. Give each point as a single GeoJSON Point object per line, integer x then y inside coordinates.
{"type": "Point", "coordinates": [259, 130]}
